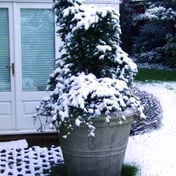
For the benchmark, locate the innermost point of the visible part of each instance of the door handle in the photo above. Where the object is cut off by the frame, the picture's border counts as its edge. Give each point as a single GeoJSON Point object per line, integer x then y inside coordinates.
{"type": "Point", "coordinates": [12, 67]}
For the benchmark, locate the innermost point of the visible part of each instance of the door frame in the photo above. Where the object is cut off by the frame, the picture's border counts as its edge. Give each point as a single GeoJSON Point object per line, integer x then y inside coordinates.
{"type": "Point", "coordinates": [26, 102]}
{"type": "Point", "coordinates": [7, 99]}
{"type": "Point", "coordinates": [19, 117]}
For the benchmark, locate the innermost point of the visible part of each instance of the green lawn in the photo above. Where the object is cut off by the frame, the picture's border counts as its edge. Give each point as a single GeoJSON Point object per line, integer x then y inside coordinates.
{"type": "Point", "coordinates": [145, 74]}
{"type": "Point", "coordinates": [129, 170]}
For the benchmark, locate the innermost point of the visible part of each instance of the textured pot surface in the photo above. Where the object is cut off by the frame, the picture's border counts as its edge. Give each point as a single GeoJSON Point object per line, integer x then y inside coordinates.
{"type": "Point", "coordinates": [101, 155]}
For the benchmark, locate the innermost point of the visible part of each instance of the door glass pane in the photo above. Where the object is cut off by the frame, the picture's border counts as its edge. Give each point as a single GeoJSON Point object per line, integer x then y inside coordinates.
{"type": "Point", "coordinates": [37, 45]}
{"type": "Point", "coordinates": [4, 51]}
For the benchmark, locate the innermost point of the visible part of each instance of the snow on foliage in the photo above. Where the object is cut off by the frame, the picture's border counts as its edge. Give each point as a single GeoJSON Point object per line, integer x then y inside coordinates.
{"type": "Point", "coordinates": [157, 13]}
{"type": "Point", "coordinates": [93, 75]}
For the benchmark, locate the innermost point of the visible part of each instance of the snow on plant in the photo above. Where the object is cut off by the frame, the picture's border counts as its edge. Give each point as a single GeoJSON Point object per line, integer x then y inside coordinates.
{"type": "Point", "coordinates": [154, 13]}
{"type": "Point", "coordinates": [93, 75]}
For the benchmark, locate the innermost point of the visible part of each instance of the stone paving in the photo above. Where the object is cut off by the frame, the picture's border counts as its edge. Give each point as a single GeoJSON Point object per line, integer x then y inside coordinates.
{"type": "Point", "coordinates": [31, 161]}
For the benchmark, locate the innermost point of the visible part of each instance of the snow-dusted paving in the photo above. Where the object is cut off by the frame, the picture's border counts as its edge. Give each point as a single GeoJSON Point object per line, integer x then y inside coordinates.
{"type": "Point", "coordinates": [16, 159]}
{"type": "Point", "coordinates": [155, 153]}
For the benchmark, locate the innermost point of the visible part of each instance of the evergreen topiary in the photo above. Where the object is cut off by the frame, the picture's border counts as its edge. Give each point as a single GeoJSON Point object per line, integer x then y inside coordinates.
{"type": "Point", "coordinates": [93, 75]}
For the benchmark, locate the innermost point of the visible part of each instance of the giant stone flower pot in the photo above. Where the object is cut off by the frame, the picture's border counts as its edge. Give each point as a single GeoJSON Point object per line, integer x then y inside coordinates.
{"type": "Point", "coordinates": [101, 155]}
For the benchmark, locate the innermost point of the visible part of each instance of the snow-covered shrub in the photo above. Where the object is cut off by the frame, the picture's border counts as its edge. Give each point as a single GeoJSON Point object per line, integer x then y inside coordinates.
{"type": "Point", "coordinates": [156, 23]}
{"type": "Point", "coordinates": [147, 45]}
{"type": "Point", "coordinates": [153, 56]}
{"type": "Point", "coordinates": [151, 36]}
{"type": "Point", "coordinates": [93, 75]}
{"type": "Point", "coordinates": [152, 110]}
{"type": "Point", "coordinates": [157, 13]}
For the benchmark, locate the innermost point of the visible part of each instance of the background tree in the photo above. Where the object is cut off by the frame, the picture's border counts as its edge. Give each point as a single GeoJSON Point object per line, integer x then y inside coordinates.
{"type": "Point", "coordinates": [155, 32]}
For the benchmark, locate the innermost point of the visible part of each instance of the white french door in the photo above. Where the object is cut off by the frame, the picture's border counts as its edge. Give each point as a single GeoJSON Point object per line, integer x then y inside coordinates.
{"type": "Point", "coordinates": [27, 52]}
{"type": "Point", "coordinates": [7, 84]}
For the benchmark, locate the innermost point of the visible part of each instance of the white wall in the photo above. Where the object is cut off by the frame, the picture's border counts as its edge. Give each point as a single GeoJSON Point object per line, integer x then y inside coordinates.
{"type": "Point", "coordinates": [105, 3]}
{"type": "Point", "coordinates": [87, 1]}
{"type": "Point", "coordinates": [113, 2]}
